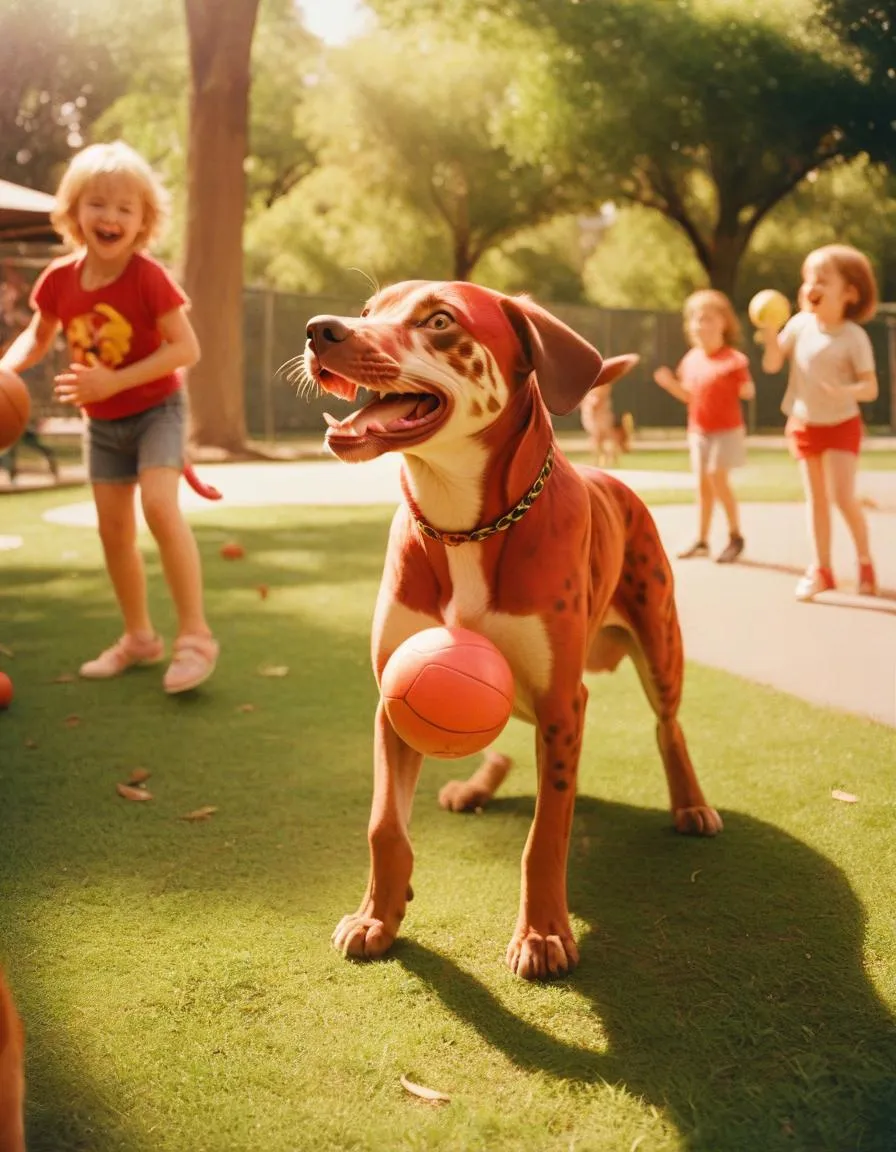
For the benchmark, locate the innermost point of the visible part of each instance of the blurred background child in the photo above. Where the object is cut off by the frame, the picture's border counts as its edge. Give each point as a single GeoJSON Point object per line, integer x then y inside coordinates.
{"type": "Point", "coordinates": [712, 378]}
{"type": "Point", "coordinates": [832, 371]}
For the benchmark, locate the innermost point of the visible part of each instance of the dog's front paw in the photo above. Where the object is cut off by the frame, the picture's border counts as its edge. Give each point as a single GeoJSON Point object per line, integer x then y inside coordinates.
{"type": "Point", "coordinates": [371, 931]}
{"type": "Point", "coordinates": [702, 821]}
{"type": "Point", "coordinates": [532, 956]}
{"type": "Point", "coordinates": [362, 937]}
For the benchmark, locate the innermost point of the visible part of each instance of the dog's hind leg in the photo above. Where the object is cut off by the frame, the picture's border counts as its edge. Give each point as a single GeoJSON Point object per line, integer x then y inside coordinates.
{"type": "Point", "coordinates": [643, 621]}
{"type": "Point", "coordinates": [476, 791]}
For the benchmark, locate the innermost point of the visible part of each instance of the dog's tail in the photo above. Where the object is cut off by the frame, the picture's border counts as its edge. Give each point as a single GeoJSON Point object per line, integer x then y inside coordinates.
{"type": "Point", "coordinates": [204, 490]}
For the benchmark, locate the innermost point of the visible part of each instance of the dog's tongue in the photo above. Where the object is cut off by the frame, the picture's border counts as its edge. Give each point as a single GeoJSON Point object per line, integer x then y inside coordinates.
{"type": "Point", "coordinates": [393, 414]}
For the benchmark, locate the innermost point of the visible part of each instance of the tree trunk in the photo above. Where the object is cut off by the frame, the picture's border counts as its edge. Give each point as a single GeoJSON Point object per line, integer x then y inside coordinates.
{"type": "Point", "coordinates": [723, 267]}
{"type": "Point", "coordinates": [463, 264]}
{"type": "Point", "coordinates": [220, 34]}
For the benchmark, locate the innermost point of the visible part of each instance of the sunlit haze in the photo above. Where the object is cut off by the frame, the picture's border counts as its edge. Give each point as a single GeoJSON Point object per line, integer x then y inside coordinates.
{"type": "Point", "coordinates": [335, 21]}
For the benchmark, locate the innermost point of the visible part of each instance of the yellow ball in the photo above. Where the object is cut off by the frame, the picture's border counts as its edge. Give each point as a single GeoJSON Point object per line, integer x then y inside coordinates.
{"type": "Point", "coordinates": [769, 309]}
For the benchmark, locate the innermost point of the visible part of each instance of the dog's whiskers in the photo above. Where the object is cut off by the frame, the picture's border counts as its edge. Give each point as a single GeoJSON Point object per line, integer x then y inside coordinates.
{"type": "Point", "coordinates": [294, 371]}
{"type": "Point", "coordinates": [292, 364]}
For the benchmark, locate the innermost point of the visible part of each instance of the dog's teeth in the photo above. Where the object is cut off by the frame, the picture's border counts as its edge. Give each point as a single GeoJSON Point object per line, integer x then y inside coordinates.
{"type": "Point", "coordinates": [375, 426]}
{"type": "Point", "coordinates": [330, 421]}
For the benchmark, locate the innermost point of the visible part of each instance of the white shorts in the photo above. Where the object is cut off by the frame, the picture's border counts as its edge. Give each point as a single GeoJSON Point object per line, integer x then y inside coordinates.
{"type": "Point", "coordinates": [718, 451]}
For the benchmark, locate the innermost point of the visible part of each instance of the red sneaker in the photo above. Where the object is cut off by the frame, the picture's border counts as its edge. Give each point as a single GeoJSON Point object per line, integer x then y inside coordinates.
{"type": "Point", "coordinates": [867, 579]}
{"type": "Point", "coordinates": [816, 580]}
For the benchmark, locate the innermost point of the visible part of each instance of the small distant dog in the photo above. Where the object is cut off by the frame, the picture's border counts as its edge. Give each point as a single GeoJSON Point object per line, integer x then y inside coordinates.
{"type": "Point", "coordinates": [610, 438]}
{"type": "Point", "coordinates": [12, 1076]}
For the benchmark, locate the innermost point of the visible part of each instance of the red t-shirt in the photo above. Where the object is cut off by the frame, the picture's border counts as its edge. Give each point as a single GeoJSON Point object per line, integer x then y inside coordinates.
{"type": "Point", "coordinates": [714, 382]}
{"type": "Point", "coordinates": [115, 325]}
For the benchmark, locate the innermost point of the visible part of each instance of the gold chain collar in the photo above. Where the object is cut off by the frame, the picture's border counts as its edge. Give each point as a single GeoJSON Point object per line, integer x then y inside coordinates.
{"type": "Point", "coordinates": [452, 539]}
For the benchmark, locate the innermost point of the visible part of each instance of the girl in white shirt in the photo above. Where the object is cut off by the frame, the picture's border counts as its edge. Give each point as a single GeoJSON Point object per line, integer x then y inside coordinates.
{"type": "Point", "coordinates": [831, 372]}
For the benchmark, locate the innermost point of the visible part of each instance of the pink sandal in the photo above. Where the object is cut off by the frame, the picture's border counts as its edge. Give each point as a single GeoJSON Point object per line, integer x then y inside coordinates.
{"type": "Point", "coordinates": [192, 662]}
{"type": "Point", "coordinates": [127, 652]}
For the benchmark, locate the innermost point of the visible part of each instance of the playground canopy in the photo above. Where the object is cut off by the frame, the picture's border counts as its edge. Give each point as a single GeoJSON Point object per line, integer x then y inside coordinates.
{"type": "Point", "coordinates": [25, 214]}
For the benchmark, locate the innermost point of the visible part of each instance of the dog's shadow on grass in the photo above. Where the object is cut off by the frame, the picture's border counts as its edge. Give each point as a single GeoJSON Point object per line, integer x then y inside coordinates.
{"type": "Point", "coordinates": [727, 978]}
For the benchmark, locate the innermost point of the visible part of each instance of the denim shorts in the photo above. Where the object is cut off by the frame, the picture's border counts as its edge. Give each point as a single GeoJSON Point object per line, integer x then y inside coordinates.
{"type": "Point", "coordinates": [718, 451]}
{"type": "Point", "coordinates": [117, 451]}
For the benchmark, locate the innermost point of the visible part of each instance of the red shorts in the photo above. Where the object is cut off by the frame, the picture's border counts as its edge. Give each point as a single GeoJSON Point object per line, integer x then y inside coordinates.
{"type": "Point", "coordinates": [815, 439]}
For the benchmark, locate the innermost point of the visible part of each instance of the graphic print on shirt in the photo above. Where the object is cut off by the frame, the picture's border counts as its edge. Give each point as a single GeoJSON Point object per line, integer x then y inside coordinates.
{"type": "Point", "coordinates": [102, 336]}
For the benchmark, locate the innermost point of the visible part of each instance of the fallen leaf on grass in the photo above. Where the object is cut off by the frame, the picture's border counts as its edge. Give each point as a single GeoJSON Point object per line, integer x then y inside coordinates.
{"type": "Point", "coordinates": [63, 678]}
{"type": "Point", "coordinates": [423, 1092]}
{"type": "Point", "coordinates": [139, 775]}
{"type": "Point", "coordinates": [129, 793]}
{"type": "Point", "coordinates": [846, 797]}
{"type": "Point", "coordinates": [245, 707]}
{"type": "Point", "coordinates": [263, 591]}
{"type": "Point", "coordinates": [273, 670]}
{"type": "Point", "coordinates": [72, 721]}
{"type": "Point", "coordinates": [200, 814]}
{"type": "Point", "coordinates": [29, 743]}
{"type": "Point", "coordinates": [4, 651]}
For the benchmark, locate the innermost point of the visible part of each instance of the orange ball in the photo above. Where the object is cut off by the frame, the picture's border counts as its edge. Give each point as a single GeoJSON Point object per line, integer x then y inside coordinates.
{"type": "Point", "coordinates": [232, 550]}
{"type": "Point", "coordinates": [6, 692]}
{"type": "Point", "coordinates": [448, 692]}
{"type": "Point", "coordinates": [15, 408]}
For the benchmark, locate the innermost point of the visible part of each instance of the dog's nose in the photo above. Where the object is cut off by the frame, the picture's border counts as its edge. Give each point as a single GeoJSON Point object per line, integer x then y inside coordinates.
{"type": "Point", "coordinates": [324, 330]}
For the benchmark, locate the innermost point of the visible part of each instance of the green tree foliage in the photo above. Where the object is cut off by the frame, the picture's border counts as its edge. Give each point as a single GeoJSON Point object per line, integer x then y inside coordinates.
{"type": "Point", "coordinates": [152, 114]}
{"type": "Point", "coordinates": [707, 111]}
{"type": "Point", "coordinates": [335, 234]}
{"type": "Point", "coordinates": [869, 27]}
{"type": "Point", "coordinates": [57, 74]}
{"type": "Point", "coordinates": [415, 120]}
{"type": "Point", "coordinates": [642, 261]}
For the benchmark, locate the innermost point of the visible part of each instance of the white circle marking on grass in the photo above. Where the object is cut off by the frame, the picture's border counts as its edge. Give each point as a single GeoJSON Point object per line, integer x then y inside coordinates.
{"type": "Point", "coordinates": [327, 482]}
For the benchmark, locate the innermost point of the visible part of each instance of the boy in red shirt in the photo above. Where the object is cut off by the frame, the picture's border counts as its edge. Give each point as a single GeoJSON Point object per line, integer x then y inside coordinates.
{"type": "Point", "coordinates": [712, 379]}
{"type": "Point", "coordinates": [126, 324]}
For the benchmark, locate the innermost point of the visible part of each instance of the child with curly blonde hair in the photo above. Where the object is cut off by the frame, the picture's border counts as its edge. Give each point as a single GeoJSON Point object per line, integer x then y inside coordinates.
{"type": "Point", "coordinates": [712, 379]}
{"type": "Point", "coordinates": [832, 372]}
{"type": "Point", "coordinates": [125, 320]}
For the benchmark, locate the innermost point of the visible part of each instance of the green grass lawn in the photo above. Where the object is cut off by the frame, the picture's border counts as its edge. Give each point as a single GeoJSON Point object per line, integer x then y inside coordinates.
{"type": "Point", "coordinates": [771, 474]}
{"type": "Point", "coordinates": [176, 979]}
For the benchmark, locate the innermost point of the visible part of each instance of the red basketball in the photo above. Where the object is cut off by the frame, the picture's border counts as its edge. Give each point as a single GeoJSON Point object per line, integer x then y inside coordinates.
{"type": "Point", "coordinates": [6, 692]}
{"type": "Point", "coordinates": [448, 692]}
{"type": "Point", "coordinates": [15, 408]}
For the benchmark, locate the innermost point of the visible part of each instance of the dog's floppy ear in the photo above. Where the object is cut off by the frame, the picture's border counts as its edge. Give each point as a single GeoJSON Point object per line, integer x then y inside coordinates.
{"type": "Point", "coordinates": [616, 366]}
{"type": "Point", "coordinates": [565, 365]}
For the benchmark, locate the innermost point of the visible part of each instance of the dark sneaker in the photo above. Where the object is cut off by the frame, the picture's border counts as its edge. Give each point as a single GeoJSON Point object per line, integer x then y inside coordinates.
{"type": "Point", "coordinates": [731, 551]}
{"type": "Point", "coordinates": [700, 548]}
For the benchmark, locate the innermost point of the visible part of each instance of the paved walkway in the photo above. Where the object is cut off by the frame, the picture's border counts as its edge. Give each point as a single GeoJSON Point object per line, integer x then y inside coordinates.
{"type": "Point", "coordinates": [839, 651]}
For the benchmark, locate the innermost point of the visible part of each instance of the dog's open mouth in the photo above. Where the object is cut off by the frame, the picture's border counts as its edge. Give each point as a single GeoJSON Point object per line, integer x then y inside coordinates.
{"type": "Point", "coordinates": [390, 420]}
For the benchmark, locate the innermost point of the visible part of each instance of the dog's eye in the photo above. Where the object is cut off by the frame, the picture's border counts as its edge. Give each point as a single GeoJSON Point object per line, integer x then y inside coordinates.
{"type": "Point", "coordinates": [366, 312]}
{"type": "Point", "coordinates": [439, 321]}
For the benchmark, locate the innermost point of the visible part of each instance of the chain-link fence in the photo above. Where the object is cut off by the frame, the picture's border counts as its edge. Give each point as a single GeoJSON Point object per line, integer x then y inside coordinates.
{"type": "Point", "coordinates": [275, 333]}
{"type": "Point", "coordinates": [274, 330]}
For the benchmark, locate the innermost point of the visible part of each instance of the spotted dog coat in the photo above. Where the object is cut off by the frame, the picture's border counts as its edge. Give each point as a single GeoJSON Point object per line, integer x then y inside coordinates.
{"type": "Point", "coordinates": [12, 1077]}
{"type": "Point", "coordinates": [561, 568]}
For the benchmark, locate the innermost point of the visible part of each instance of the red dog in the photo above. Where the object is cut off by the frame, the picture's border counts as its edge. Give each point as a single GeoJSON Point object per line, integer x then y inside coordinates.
{"type": "Point", "coordinates": [562, 569]}
{"type": "Point", "coordinates": [12, 1076]}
